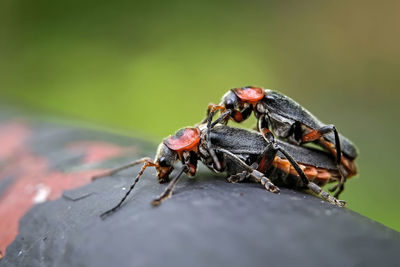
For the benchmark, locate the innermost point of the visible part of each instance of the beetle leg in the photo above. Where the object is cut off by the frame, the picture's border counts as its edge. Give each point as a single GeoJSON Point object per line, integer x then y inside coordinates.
{"type": "Point", "coordinates": [266, 159]}
{"type": "Point", "coordinates": [254, 174]}
{"type": "Point", "coordinates": [260, 177]}
{"type": "Point", "coordinates": [170, 188]}
{"type": "Point", "coordinates": [241, 115]}
{"type": "Point", "coordinates": [222, 117]}
{"type": "Point", "coordinates": [264, 130]}
{"type": "Point", "coordinates": [310, 185]}
{"type": "Point", "coordinates": [316, 134]}
{"type": "Point", "coordinates": [118, 169]}
{"type": "Point", "coordinates": [339, 186]}
{"type": "Point", "coordinates": [210, 124]}
{"type": "Point", "coordinates": [325, 195]}
{"type": "Point", "coordinates": [273, 148]}
{"type": "Point", "coordinates": [217, 164]}
{"type": "Point", "coordinates": [212, 108]}
{"type": "Point", "coordinates": [239, 177]}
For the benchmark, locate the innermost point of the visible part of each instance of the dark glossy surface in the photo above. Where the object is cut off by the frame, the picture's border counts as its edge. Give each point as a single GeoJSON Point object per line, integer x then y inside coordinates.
{"type": "Point", "coordinates": [207, 222]}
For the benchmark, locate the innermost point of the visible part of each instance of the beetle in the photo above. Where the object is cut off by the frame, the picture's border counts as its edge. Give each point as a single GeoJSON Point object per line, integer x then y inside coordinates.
{"type": "Point", "coordinates": [242, 154]}
{"type": "Point", "coordinates": [289, 121]}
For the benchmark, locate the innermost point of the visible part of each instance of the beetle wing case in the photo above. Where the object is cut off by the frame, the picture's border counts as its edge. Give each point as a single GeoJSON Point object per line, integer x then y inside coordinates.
{"type": "Point", "coordinates": [277, 103]}
{"type": "Point", "coordinates": [241, 141]}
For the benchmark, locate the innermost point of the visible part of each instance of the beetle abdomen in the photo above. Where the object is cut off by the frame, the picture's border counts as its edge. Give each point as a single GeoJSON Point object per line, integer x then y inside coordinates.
{"type": "Point", "coordinates": [283, 173]}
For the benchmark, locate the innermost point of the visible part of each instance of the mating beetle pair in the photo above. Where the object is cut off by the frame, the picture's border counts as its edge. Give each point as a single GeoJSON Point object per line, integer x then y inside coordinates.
{"type": "Point", "coordinates": [244, 154]}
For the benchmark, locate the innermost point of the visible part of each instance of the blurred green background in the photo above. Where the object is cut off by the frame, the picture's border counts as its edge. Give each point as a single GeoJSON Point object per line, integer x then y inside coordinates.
{"type": "Point", "coordinates": [153, 66]}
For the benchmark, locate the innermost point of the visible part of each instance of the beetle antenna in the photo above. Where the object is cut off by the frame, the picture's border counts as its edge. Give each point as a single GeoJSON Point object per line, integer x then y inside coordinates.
{"type": "Point", "coordinates": [168, 191]}
{"type": "Point", "coordinates": [118, 169]}
{"type": "Point", "coordinates": [147, 164]}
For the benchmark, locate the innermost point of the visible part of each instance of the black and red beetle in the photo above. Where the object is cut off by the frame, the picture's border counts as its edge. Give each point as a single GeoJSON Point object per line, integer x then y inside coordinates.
{"type": "Point", "coordinates": [289, 121]}
{"type": "Point", "coordinates": [242, 154]}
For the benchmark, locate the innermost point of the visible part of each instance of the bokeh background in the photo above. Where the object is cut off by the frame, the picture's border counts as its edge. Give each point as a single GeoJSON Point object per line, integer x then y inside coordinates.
{"type": "Point", "coordinates": [151, 67]}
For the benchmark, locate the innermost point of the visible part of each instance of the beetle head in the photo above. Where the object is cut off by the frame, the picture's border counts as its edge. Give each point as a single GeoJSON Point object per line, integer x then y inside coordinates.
{"type": "Point", "coordinates": [230, 100]}
{"type": "Point", "coordinates": [165, 160]}
{"type": "Point", "coordinates": [183, 146]}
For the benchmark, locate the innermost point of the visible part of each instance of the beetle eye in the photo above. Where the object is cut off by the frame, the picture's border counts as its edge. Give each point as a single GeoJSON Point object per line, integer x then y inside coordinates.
{"type": "Point", "coordinates": [229, 104]}
{"type": "Point", "coordinates": [163, 162]}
